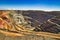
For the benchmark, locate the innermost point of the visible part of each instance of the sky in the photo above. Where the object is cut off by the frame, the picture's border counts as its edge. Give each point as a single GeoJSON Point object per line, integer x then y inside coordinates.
{"type": "Point", "coordinates": [46, 5]}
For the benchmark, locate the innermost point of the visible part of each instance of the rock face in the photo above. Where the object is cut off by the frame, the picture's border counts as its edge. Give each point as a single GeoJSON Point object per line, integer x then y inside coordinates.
{"type": "Point", "coordinates": [39, 20]}
{"type": "Point", "coordinates": [48, 21]}
{"type": "Point", "coordinates": [51, 25]}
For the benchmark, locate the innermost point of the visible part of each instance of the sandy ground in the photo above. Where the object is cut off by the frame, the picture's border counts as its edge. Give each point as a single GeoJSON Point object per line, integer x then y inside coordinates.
{"type": "Point", "coordinates": [28, 37]}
